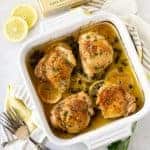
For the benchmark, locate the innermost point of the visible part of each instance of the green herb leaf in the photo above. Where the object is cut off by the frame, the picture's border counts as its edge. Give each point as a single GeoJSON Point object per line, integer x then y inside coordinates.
{"type": "Point", "coordinates": [120, 145]}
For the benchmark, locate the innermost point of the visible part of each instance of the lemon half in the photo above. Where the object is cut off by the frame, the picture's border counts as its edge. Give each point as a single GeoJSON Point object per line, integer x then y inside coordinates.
{"type": "Point", "coordinates": [15, 29]}
{"type": "Point", "coordinates": [26, 12]}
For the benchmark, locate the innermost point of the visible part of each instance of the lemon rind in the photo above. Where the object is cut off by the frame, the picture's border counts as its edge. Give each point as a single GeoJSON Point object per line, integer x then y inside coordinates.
{"type": "Point", "coordinates": [15, 39]}
{"type": "Point", "coordinates": [33, 10]}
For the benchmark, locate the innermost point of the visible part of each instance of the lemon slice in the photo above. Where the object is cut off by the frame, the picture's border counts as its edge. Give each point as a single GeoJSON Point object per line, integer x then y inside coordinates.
{"type": "Point", "coordinates": [27, 12]}
{"type": "Point", "coordinates": [48, 93]}
{"type": "Point", "coordinates": [121, 78]}
{"type": "Point", "coordinates": [95, 87]}
{"type": "Point", "coordinates": [15, 29]}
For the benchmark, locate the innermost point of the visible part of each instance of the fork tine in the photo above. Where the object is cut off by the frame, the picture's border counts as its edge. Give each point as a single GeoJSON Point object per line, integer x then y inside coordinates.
{"type": "Point", "coordinates": [9, 129]}
{"type": "Point", "coordinates": [17, 116]}
{"type": "Point", "coordinates": [12, 118]}
{"type": "Point", "coordinates": [5, 117]}
{"type": "Point", "coordinates": [14, 115]}
{"type": "Point", "coordinates": [7, 126]}
{"type": "Point", "coordinates": [8, 120]}
{"type": "Point", "coordinates": [13, 121]}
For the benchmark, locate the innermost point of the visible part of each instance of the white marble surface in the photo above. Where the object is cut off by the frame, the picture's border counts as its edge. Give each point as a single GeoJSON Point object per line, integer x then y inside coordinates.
{"type": "Point", "coordinates": [9, 72]}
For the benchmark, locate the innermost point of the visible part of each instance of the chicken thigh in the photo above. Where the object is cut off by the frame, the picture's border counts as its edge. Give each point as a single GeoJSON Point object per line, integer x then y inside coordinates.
{"type": "Point", "coordinates": [115, 102]}
{"type": "Point", "coordinates": [95, 52]}
{"type": "Point", "coordinates": [56, 66]}
{"type": "Point", "coordinates": [72, 114]}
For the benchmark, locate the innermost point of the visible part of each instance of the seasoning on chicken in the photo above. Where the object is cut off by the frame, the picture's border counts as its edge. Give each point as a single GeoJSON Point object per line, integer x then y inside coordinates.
{"type": "Point", "coordinates": [56, 66]}
{"type": "Point", "coordinates": [115, 102]}
{"type": "Point", "coordinates": [95, 52]}
{"type": "Point", "coordinates": [72, 114]}
{"type": "Point", "coordinates": [40, 69]}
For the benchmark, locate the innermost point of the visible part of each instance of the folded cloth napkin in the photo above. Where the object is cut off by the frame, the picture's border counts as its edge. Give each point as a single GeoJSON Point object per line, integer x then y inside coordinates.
{"type": "Point", "coordinates": [118, 7]}
{"type": "Point", "coordinates": [19, 91]}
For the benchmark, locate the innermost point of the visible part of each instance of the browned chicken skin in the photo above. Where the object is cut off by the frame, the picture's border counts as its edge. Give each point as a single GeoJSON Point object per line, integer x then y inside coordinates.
{"type": "Point", "coordinates": [40, 69]}
{"type": "Point", "coordinates": [56, 66]}
{"type": "Point", "coordinates": [115, 102]}
{"type": "Point", "coordinates": [72, 114]}
{"type": "Point", "coordinates": [95, 52]}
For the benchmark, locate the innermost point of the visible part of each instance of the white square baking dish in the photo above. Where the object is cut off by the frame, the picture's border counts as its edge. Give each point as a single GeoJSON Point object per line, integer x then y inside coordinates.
{"type": "Point", "coordinates": [67, 28]}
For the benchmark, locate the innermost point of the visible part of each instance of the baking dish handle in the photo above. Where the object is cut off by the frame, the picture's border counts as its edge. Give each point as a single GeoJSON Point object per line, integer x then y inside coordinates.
{"type": "Point", "coordinates": [102, 141]}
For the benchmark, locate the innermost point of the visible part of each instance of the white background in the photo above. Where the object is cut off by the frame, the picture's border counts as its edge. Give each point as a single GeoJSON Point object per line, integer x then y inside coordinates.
{"type": "Point", "coordinates": [9, 72]}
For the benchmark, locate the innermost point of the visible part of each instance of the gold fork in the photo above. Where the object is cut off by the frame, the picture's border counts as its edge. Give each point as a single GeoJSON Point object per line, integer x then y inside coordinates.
{"type": "Point", "coordinates": [12, 121]}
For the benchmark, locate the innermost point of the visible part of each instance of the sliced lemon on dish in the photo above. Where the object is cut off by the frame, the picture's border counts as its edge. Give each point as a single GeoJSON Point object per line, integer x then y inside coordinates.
{"type": "Point", "coordinates": [48, 93]}
{"type": "Point", "coordinates": [15, 29]}
{"type": "Point", "coordinates": [121, 78]}
{"type": "Point", "coordinates": [95, 87]}
{"type": "Point", "coordinates": [26, 12]}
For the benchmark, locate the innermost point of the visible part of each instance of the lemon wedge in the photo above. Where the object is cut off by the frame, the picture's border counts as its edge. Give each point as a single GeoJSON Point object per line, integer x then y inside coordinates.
{"type": "Point", "coordinates": [15, 29]}
{"type": "Point", "coordinates": [26, 12]}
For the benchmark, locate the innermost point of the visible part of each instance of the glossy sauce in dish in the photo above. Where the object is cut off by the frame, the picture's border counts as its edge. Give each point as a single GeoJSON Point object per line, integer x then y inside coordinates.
{"type": "Point", "coordinates": [119, 72]}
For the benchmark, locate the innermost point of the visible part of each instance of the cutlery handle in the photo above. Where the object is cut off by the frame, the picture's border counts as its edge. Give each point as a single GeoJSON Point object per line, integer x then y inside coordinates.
{"type": "Point", "coordinates": [8, 142]}
{"type": "Point", "coordinates": [39, 146]}
{"type": "Point", "coordinates": [5, 143]}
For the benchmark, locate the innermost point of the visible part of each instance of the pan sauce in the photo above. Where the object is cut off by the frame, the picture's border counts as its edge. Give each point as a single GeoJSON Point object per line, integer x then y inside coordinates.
{"type": "Point", "coordinates": [120, 71]}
